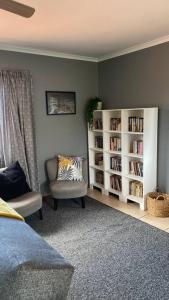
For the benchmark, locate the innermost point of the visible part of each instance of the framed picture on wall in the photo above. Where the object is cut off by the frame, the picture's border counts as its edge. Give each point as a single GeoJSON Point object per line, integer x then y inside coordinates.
{"type": "Point", "coordinates": [60, 103]}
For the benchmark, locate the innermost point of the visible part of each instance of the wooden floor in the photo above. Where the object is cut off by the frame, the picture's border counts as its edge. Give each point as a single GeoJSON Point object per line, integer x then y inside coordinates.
{"type": "Point", "coordinates": [131, 209]}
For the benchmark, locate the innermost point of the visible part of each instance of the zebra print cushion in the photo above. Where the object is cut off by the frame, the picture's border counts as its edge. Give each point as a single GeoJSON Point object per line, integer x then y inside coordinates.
{"type": "Point", "coordinates": [69, 168]}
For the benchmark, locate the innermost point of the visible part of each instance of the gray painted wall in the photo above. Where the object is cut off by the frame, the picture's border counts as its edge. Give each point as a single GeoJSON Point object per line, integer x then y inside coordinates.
{"type": "Point", "coordinates": [141, 79]}
{"type": "Point", "coordinates": [57, 134]}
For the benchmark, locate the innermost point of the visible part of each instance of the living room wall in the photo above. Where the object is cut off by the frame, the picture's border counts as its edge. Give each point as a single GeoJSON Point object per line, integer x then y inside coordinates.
{"type": "Point", "coordinates": [56, 134]}
{"type": "Point", "coordinates": [141, 79]}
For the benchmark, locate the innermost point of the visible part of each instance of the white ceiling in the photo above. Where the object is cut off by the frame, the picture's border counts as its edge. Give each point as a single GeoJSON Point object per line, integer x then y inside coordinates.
{"type": "Point", "coordinates": [89, 28]}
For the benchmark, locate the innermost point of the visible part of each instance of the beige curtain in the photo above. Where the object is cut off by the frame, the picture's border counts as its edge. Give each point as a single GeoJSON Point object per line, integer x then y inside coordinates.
{"type": "Point", "coordinates": [17, 140]}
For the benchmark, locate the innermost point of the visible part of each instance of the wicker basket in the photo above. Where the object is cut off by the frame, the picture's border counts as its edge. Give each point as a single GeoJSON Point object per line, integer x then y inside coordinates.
{"type": "Point", "coordinates": [158, 204]}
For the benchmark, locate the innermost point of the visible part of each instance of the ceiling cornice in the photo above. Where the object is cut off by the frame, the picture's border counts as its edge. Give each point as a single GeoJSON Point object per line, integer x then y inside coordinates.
{"type": "Point", "coordinates": [46, 53]}
{"type": "Point", "coordinates": [135, 48]}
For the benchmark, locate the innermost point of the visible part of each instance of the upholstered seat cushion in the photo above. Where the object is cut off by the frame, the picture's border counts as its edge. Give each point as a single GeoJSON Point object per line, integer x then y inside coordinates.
{"type": "Point", "coordinates": [27, 204]}
{"type": "Point", "coordinates": [68, 189]}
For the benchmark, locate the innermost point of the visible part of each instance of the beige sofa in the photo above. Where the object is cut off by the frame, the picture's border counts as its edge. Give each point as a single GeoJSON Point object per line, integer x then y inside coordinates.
{"type": "Point", "coordinates": [27, 204]}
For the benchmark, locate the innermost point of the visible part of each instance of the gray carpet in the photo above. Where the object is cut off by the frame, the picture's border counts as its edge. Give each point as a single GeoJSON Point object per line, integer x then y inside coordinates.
{"type": "Point", "coordinates": [115, 256]}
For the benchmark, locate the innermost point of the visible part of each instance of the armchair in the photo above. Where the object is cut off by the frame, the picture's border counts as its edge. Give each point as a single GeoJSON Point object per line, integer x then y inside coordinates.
{"type": "Point", "coordinates": [27, 204]}
{"type": "Point", "coordinates": [64, 189]}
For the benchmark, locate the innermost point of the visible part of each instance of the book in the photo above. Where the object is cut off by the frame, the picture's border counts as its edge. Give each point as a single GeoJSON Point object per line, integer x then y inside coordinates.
{"type": "Point", "coordinates": [99, 177]}
{"type": "Point", "coordinates": [115, 163]}
{"type": "Point", "coordinates": [136, 124]}
{"type": "Point", "coordinates": [136, 168]}
{"type": "Point", "coordinates": [99, 141]}
{"type": "Point", "coordinates": [97, 124]}
{"type": "Point", "coordinates": [136, 147]}
{"type": "Point", "coordinates": [115, 182]}
{"type": "Point", "coordinates": [136, 188]}
{"type": "Point", "coordinates": [99, 159]}
{"type": "Point", "coordinates": [115, 124]}
{"type": "Point", "coordinates": [115, 144]}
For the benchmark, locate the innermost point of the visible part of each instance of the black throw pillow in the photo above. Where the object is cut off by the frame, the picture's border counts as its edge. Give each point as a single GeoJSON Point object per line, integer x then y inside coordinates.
{"type": "Point", "coordinates": [13, 182]}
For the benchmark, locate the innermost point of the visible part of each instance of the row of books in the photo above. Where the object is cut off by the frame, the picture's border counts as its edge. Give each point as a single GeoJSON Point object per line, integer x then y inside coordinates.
{"type": "Point", "coordinates": [99, 159]}
{"type": "Point", "coordinates": [99, 142]}
{"type": "Point", "coordinates": [99, 177]}
{"type": "Point", "coordinates": [136, 147]}
{"type": "Point", "coordinates": [97, 124]}
{"type": "Point", "coordinates": [115, 143]}
{"type": "Point", "coordinates": [115, 124]}
{"type": "Point", "coordinates": [136, 167]}
{"type": "Point", "coordinates": [115, 163]}
{"type": "Point", "coordinates": [135, 124]}
{"type": "Point", "coordinates": [115, 182]}
{"type": "Point", "coordinates": [136, 188]}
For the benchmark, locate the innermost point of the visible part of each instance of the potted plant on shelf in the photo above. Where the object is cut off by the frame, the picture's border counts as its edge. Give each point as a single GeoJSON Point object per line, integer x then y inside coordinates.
{"type": "Point", "coordinates": [93, 104]}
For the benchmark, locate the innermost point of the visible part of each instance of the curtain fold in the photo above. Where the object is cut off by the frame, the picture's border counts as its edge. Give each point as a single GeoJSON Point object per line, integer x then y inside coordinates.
{"type": "Point", "coordinates": [17, 140]}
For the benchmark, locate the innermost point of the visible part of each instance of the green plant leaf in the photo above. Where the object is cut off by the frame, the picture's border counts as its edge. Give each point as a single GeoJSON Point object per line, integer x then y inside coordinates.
{"type": "Point", "coordinates": [91, 106]}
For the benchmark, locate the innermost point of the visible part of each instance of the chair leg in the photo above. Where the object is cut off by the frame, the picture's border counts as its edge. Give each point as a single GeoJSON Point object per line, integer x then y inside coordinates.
{"type": "Point", "coordinates": [83, 202]}
{"type": "Point", "coordinates": [55, 204]}
{"type": "Point", "coordinates": [40, 214]}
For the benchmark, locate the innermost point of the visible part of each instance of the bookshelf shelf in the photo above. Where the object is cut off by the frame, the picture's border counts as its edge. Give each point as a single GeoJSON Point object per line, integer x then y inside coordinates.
{"type": "Point", "coordinates": [98, 185]}
{"type": "Point", "coordinates": [111, 171]}
{"type": "Point", "coordinates": [134, 177]}
{"type": "Point", "coordinates": [134, 155]}
{"type": "Point", "coordinates": [130, 131]}
{"type": "Point", "coordinates": [97, 167]}
{"type": "Point", "coordinates": [112, 131]}
{"type": "Point", "coordinates": [97, 130]}
{"type": "Point", "coordinates": [97, 149]}
{"type": "Point", "coordinates": [134, 198]}
{"type": "Point", "coordinates": [134, 132]}
{"type": "Point", "coordinates": [113, 191]}
{"type": "Point", "coordinates": [113, 152]}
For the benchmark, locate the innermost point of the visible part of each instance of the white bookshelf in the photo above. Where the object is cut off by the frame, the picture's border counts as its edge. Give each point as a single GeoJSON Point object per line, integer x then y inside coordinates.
{"type": "Point", "coordinates": [148, 157]}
